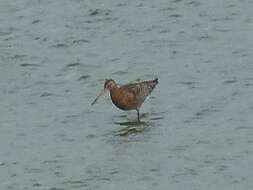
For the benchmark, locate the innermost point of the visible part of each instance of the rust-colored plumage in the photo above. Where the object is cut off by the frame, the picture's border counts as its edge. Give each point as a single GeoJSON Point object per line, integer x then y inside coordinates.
{"type": "Point", "coordinates": [129, 96]}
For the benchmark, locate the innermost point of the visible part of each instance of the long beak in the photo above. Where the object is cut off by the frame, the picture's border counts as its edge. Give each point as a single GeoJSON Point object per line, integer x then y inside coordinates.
{"type": "Point", "coordinates": [100, 94]}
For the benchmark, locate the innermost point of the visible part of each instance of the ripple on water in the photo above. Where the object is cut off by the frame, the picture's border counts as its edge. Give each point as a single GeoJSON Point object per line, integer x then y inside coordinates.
{"type": "Point", "coordinates": [176, 1]}
{"type": "Point", "coordinates": [33, 170]}
{"type": "Point", "coordinates": [204, 111]}
{"type": "Point", "coordinates": [77, 183]}
{"type": "Point", "coordinates": [37, 185]}
{"type": "Point", "coordinates": [36, 21]}
{"type": "Point", "coordinates": [190, 84]}
{"type": "Point", "coordinates": [50, 161]}
{"type": "Point", "coordinates": [60, 45]}
{"type": "Point", "coordinates": [76, 64]}
{"type": "Point", "coordinates": [46, 94]}
{"type": "Point", "coordinates": [175, 15]}
{"type": "Point", "coordinates": [220, 168]}
{"type": "Point", "coordinates": [194, 3]}
{"type": "Point", "coordinates": [83, 77]}
{"type": "Point", "coordinates": [56, 188]}
{"type": "Point", "coordinates": [230, 81]}
{"type": "Point", "coordinates": [156, 118]}
{"type": "Point", "coordinates": [80, 41]}
{"type": "Point", "coordinates": [2, 163]}
{"type": "Point", "coordinates": [90, 136]}
{"type": "Point", "coordinates": [29, 65]}
{"type": "Point", "coordinates": [99, 12]}
{"type": "Point", "coordinates": [120, 73]}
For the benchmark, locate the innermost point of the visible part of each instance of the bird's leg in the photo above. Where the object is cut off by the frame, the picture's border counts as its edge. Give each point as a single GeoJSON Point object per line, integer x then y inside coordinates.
{"type": "Point", "coordinates": [138, 114]}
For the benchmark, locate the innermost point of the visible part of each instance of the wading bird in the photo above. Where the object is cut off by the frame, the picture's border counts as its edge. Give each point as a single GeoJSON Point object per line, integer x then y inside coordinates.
{"type": "Point", "coordinates": [128, 96]}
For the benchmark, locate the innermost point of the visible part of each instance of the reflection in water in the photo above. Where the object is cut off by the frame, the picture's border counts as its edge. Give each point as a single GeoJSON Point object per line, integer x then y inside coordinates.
{"type": "Point", "coordinates": [132, 127]}
{"type": "Point", "coordinates": [135, 126]}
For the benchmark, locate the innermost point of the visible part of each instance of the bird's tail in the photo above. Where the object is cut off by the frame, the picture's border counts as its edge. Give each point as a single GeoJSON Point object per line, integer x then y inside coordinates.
{"type": "Point", "coordinates": [156, 80]}
{"type": "Point", "coordinates": [152, 84]}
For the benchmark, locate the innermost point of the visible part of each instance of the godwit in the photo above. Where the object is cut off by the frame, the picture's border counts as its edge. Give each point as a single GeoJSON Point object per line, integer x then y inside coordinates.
{"type": "Point", "coordinates": [129, 96]}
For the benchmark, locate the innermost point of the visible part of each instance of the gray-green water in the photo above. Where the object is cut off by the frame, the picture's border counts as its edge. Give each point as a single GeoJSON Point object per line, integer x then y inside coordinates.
{"type": "Point", "coordinates": [198, 126]}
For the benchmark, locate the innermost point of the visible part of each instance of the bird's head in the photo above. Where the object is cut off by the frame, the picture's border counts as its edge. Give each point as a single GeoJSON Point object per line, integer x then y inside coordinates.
{"type": "Point", "coordinates": [109, 85]}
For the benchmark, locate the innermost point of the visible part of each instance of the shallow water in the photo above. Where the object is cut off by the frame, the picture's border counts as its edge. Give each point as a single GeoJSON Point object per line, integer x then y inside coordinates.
{"type": "Point", "coordinates": [196, 130]}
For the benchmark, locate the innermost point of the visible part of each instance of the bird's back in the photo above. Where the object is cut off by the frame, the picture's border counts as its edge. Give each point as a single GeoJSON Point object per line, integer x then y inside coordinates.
{"type": "Point", "coordinates": [140, 90]}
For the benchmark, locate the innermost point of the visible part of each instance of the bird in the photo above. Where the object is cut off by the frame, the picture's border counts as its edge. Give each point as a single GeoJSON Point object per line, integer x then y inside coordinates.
{"type": "Point", "coordinates": [129, 96]}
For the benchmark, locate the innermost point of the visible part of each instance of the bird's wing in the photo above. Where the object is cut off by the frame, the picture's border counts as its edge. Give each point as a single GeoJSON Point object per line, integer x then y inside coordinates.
{"type": "Point", "coordinates": [139, 90]}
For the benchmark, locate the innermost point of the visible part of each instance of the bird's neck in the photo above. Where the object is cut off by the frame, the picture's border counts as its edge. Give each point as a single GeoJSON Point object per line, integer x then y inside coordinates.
{"type": "Point", "coordinates": [114, 88]}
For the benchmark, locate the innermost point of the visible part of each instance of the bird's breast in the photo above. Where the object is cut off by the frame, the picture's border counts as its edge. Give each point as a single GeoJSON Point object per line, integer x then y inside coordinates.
{"type": "Point", "coordinates": [123, 100]}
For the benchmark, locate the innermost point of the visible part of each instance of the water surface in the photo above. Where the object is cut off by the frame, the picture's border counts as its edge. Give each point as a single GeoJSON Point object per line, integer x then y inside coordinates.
{"type": "Point", "coordinates": [196, 131]}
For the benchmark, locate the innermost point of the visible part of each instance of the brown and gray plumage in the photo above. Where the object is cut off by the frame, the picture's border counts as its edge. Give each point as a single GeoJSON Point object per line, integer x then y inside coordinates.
{"type": "Point", "coordinates": [129, 96]}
